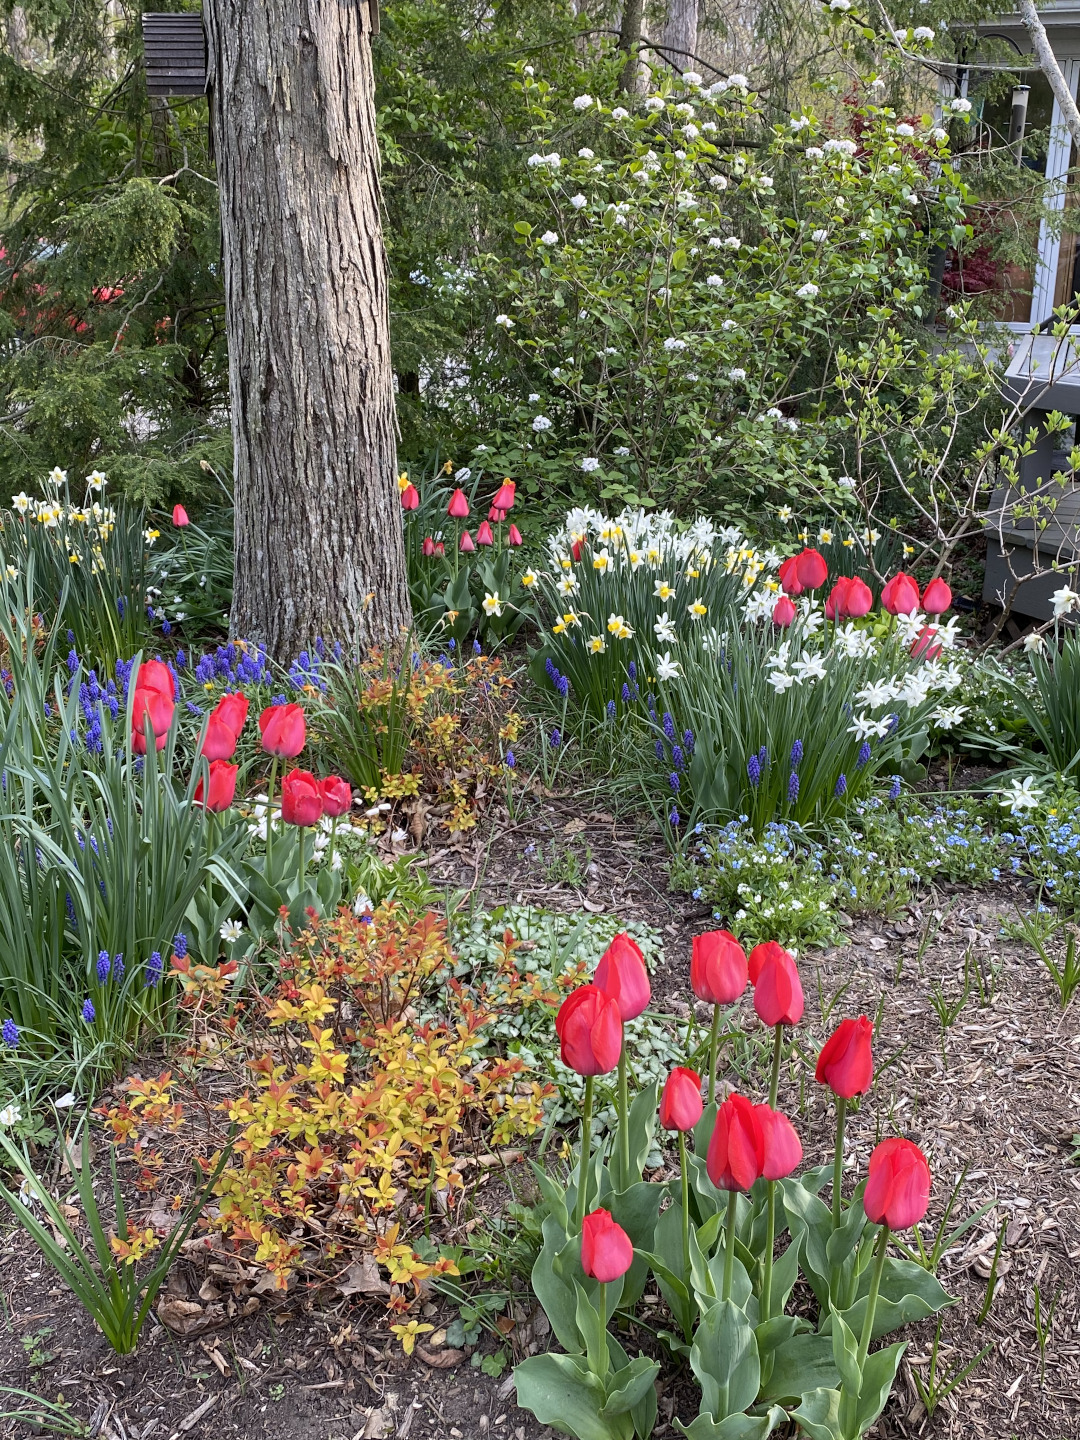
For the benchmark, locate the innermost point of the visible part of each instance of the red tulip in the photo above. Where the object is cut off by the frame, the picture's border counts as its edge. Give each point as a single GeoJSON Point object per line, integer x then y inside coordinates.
{"type": "Point", "coordinates": [440, 548]}
{"type": "Point", "coordinates": [484, 535]}
{"type": "Point", "coordinates": [233, 710]}
{"type": "Point", "coordinates": [937, 597]}
{"type": "Point", "coordinates": [681, 1105]}
{"type": "Point", "coordinates": [590, 1031]}
{"type": "Point", "coordinates": [846, 1062]}
{"type": "Point", "coordinates": [811, 570]}
{"type": "Point", "coordinates": [925, 647]}
{"type": "Point", "coordinates": [784, 612]}
{"type": "Point", "coordinates": [835, 605]}
{"type": "Point", "coordinates": [283, 730]}
{"type": "Point", "coordinates": [180, 517]}
{"type": "Point", "coordinates": [901, 595]}
{"type": "Point", "coordinates": [736, 1151]}
{"type": "Point", "coordinates": [859, 600]}
{"type": "Point", "coordinates": [222, 786]}
{"type": "Point", "coordinates": [428, 547]}
{"type": "Point", "coordinates": [466, 544]}
{"type": "Point", "coordinates": [622, 975]}
{"type": "Point", "coordinates": [513, 535]}
{"type": "Point", "coordinates": [898, 1188]}
{"type": "Point", "coordinates": [156, 675]}
{"type": "Point", "coordinates": [496, 516]}
{"type": "Point", "coordinates": [504, 497]}
{"type": "Point", "coordinates": [301, 798]}
{"type": "Point", "coordinates": [159, 708]}
{"type": "Point", "coordinates": [778, 995]}
{"type": "Point", "coordinates": [718, 968]}
{"type": "Point", "coordinates": [789, 580]}
{"type": "Point", "coordinates": [607, 1252]}
{"type": "Point", "coordinates": [576, 548]}
{"type": "Point", "coordinates": [410, 497]}
{"type": "Point", "coordinates": [336, 796]}
{"type": "Point", "coordinates": [459, 506]}
{"type": "Point", "coordinates": [783, 1148]}
{"type": "Point", "coordinates": [219, 742]}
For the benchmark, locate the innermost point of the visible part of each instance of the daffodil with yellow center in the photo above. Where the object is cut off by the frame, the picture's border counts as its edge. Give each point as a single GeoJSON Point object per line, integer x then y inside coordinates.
{"type": "Point", "coordinates": [824, 537]}
{"type": "Point", "coordinates": [403, 480]}
{"type": "Point", "coordinates": [663, 591]}
{"type": "Point", "coordinates": [529, 578]}
{"type": "Point", "coordinates": [597, 645]}
{"type": "Point", "coordinates": [601, 561]}
{"type": "Point", "coordinates": [696, 610]}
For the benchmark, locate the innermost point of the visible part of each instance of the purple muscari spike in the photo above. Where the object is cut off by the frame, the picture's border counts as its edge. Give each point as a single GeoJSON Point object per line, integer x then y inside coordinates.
{"type": "Point", "coordinates": [556, 739]}
{"type": "Point", "coordinates": [626, 693]}
{"type": "Point", "coordinates": [673, 818]}
{"type": "Point", "coordinates": [763, 756]}
{"type": "Point", "coordinates": [476, 647]}
{"type": "Point", "coordinates": [796, 753]}
{"type": "Point", "coordinates": [793, 787]}
{"type": "Point", "coordinates": [669, 726]}
{"type": "Point", "coordinates": [9, 1033]}
{"type": "Point", "coordinates": [118, 968]}
{"type": "Point", "coordinates": [753, 769]}
{"type": "Point", "coordinates": [104, 964]}
{"type": "Point", "coordinates": [166, 628]}
{"type": "Point", "coordinates": [179, 945]}
{"type": "Point", "coordinates": [660, 749]}
{"type": "Point", "coordinates": [611, 709]}
{"type": "Point", "coordinates": [631, 670]}
{"type": "Point", "coordinates": [841, 786]}
{"type": "Point", "coordinates": [181, 660]}
{"type": "Point", "coordinates": [510, 761]}
{"type": "Point", "coordinates": [674, 782]}
{"type": "Point", "coordinates": [88, 1011]}
{"type": "Point", "coordinates": [563, 685]}
{"type": "Point", "coordinates": [863, 756]}
{"type": "Point", "coordinates": [153, 969]}
{"type": "Point", "coordinates": [688, 741]}
{"type": "Point", "coordinates": [121, 606]}
{"type": "Point", "coordinates": [678, 757]}
{"type": "Point", "coordinates": [72, 661]}
{"type": "Point", "coordinates": [69, 907]}
{"type": "Point", "coordinates": [894, 788]}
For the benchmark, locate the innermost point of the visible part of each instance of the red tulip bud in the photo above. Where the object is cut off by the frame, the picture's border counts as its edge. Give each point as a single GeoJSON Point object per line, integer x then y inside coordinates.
{"type": "Point", "coordinates": [459, 506]}
{"type": "Point", "coordinates": [784, 612]}
{"type": "Point", "coordinates": [789, 580]}
{"type": "Point", "coordinates": [233, 711]}
{"type": "Point", "coordinates": [465, 545]}
{"type": "Point", "coordinates": [575, 549]}
{"type": "Point", "coordinates": [219, 742]}
{"type": "Point", "coordinates": [811, 570]}
{"type": "Point", "coordinates": [589, 1031]}
{"type": "Point", "coordinates": [428, 547]}
{"type": "Point", "coordinates": [937, 597]}
{"type": "Point", "coordinates": [901, 595]}
{"type": "Point", "coordinates": [835, 607]}
{"type": "Point", "coordinates": [736, 1151]}
{"type": "Point", "coordinates": [410, 497]}
{"type": "Point", "coordinates": [607, 1252]}
{"type": "Point", "coordinates": [222, 786]}
{"type": "Point", "coordinates": [301, 799]}
{"type": "Point", "coordinates": [283, 730]}
{"type": "Point", "coordinates": [622, 975]}
{"type": "Point", "coordinates": [504, 497]}
{"type": "Point", "coordinates": [778, 994]}
{"type": "Point", "coordinates": [783, 1148]}
{"type": "Point", "coordinates": [336, 796]}
{"type": "Point", "coordinates": [440, 548]}
{"type": "Point", "coordinates": [925, 647]}
{"type": "Point", "coordinates": [484, 535]}
{"type": "Point", "coordinates": [681, 1105]}
{"type": "Point", "coordinates": [513, 535]}
{"type": "Point", "coordinates": [152, 705]}
{"type": "Point", "coordinates": [180, 517]}
{"type": "Point", "coordinates": [496, 516]}
{"type": "Point", "coordinates": [846, 1062]}
{"type": "Point", "coordinates": [156, 675]}
{"type": "Point", "coordinates": [897, 1190]}
{"type": "Point", "coordinates": [859, 600]}
{"type": "Point", "coordinates": [718, 967]}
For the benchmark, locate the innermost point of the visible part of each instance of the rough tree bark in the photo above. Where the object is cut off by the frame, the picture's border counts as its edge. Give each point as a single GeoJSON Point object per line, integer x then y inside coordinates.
{"type": "Point", "coordinates": [319, 547]}
{"type": "Point", "coordinates": [678, 43]}
{"type": "Point", "coordinates": [633, 18]}
{"type": "Point", "coordinates": [1048, 63]}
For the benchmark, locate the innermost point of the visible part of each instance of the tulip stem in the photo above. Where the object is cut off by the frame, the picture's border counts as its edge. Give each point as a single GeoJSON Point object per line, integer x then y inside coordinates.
{"type": "Point", "coordinates": [770, 1240]}
{"type": "Point", "coordinates": [586, 1146]}
{"type": "Point", "coordinates": [270, 816]}
{"type": "Point", "coordinates": [849, 1403]}
{"type": "Point", "coordinates": [714, 1039]}
{"type": "Point", "coordinates": [838, 1159]}
{"type": "Point", "coordinates": [729, 1254]}
{"type": "Point", "coordinates": [303, 856]}
{"type": "Point", "coordinates": [603, 1364]}
{"type": "Point", "coordinates": [685, 1215]}
{"type": "Point", "coordinates": [333, 841]}
{"type": "Point", "coordinates": [624, 1126]}
{"type": "Point", "coordinates": [774, 1079]}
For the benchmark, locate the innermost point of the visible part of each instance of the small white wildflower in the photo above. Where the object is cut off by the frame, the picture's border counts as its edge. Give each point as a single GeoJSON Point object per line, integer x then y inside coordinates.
{"type": "Point", "coordinates": [585, 153]}
{"type": "Point", "coordinates": [589, 464]}
{"type": "Point", "coordinates": [960, 106]}
{"type": "Point", "coordinates": [549, 237]}
{"type": "Point", "coordinates": [731, 242]}
{"type": "Point", "coordinates": [736, 374]}
{"type": "Point", "coordinates": [231, 931]}
{"type": "Point", "coordinates": [622, 450]}
{"type": "Point", "coordinates": [578, 202]}
{"type": "Point", "coordinates": [654, 104]}
{"type": "Point", "coordinates": [691, 77]}
{"type": "Point", "coordinates": [819, 236]}
{"type": "Point", "coordinates": [10, 1115]}
{"type": "Point", "coordinates": [673, 343]}
{"type": "Point", "coordinates": [718, 182]}
{"type": "Point", "coordinates": [714, 280]}
{"type": "Point", "coordinates": [923, 32]}
{"type": "Point", "coordinates": [619, 113]}
{"type": "Point", "coordinates": [504, 321]}
{"type": "Point", "coordinates": [814, 152]}
{"type": "Point", "coordinates": [460, 476]}
{"type": "Point", "coordinates": [541, 422]}
{"type": "Point", "coordinates": [582, 102]}
{"type": "Point", "coordinates": [807, 291]}
{"type": "Point", "coordinates": [905, 131]}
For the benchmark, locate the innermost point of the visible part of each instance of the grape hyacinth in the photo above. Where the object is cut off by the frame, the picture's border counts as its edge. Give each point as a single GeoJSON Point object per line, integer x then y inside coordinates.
{"type": "Point", "coordinates": [753, 769]}
{"type": "Point", "coordinates": [179, 945]}
{"type": "Point", "coordinates": [510, 761]}
{"type": "Point", "coordinates": [659, 749]}
{"type": "Point", "coordinates": [556, 739]}
{"type": "Point", "coordinates": [669, 726]}
{"type": "Point", "coordinates": [153, 969]}
{"type": "Point", "coordinates": [104, 964]}
{"type": "Point", "coordinates": [793, 787]}
{"type": "Point", "coordinates": [894, 788]}
{"type": "Point", "coordinates": [118, 968]}
{"type": "Point", "coordinates": [9, 1033]}
{"type": "Point", "coordinates": [673, 781]}
{"type": "Point", "coordinates": [626, 693]}
{"type": "Point", "coordinates": [841, 786]}
{"type": "Point", "coordinates": [611, 709]}
{"type": "Point", "coordinates": [89, 1014]}
{"type": "Point", "coordinates": [688, 741]}
{"type": "Point", "coordinates": [796, 754]}
{"type": "Point", "coordinates": [863, 755]}
{"type": "Point", "coordinates": [673, 818]}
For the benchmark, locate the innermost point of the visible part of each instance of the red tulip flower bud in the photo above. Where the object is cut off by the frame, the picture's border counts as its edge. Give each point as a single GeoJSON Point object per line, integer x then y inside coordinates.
{"type": "Point", "coordinates": [789, 580]}
{"type": "Point", "coordinates": [937, 597]}
{"type": "Point", "coordinates": [778, 995]}
{"type": "Point", "coordinates": [590, 1031]}
{"type": "Point", "coordinates": [575, 550]}
{"type": "Point", "coordinates": [784, 612]}
{"type": "Point", "coordinates": [504, 496]}
{"type": "Point", "coordinates": [410, 497]}
{"type": "Point", "coordinates": [484, 535]}
{"type": "Point", "coordinates": [496, 516]}
{"type": "Point", "coordinates": [607, 1252]}
{"type": "Point", "coordinates": [835, 605]}
{"type": "Point", "coordinates": [718, 968]}
{"type": "Point", "coordinates": [232, 710]}
{"type": "Point", "coordinates": [283, 730]}
{"type": "Point", "coordinates": [622, 975]}
{"type": "Point", "coordinates": [180, 517]}
{"type": "Point", "coordinates": [783, 1148]}
{"type": "Point", "coordinates": [811, 570]}
{"type": "Point", "coordinates": [150, 705]}
{"type": "Point", "coordinates": [336, 796]}
{"type": "Point", "coordinates": [859, 600]}
{"type": "Point", "coordinates": [219, 742]}
{"type": "Point", "coordinates": [901, 595]}
{"type": "Point", "coordinates": [466, 545]}
{"type": "Point", "coordinates": [156, 675]}
{"type": "Point", "coordinates": [898, 1188]}
{"type": "Point", "coordinates": [513, 535]}
{"type": "Point", "coordinates": [925, 647]}
{"type": "Point", "coordinates": [222, 787]}
{"type": "Point", "coordinates": [428, 547]}
{"type": "Point", "coordinates": [736, 1151]}
{"type": "Point", "coordinates": [459, 506]}
{"type": "Point", "coordinates": [846, 1062]}
{"type": "Point", "coordinates": [681, 1105]}
{"type": "Point", "coordinates": [301, 798]}
{"type": "Point", "coordinates": [440, 548]}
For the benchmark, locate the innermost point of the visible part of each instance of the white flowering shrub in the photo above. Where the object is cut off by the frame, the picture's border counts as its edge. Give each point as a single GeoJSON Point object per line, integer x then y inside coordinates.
{"type": "Point", "coordinates": [682, 294]}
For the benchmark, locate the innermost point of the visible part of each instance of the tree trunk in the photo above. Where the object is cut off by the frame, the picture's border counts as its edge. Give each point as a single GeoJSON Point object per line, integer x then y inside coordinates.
{"type": "Point", "coordinates": [678, 44]}
{"type": "Point", "coordinates": [1048, 63]}
{"type": "Point", "coordinates": [630, 43]}
{"type": "Point", "coordinates": [319, 547]}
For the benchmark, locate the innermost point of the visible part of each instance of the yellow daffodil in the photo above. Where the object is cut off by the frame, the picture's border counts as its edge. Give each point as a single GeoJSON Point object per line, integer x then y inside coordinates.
{"type": "Point", "coordinates": [403, 480]}
{"type": "Point", "coordinates": [601, 561]}
{"type": "Point", "coordinates": [529, 578]}
{"type": "Point", "coordinates": [663, 591]}
{"type": "Point", "coordinates": [597, 645]}
{"type": "Point", "coordinates": [696, 609]}
{"type": "Point", "coordinates": [492, 604]}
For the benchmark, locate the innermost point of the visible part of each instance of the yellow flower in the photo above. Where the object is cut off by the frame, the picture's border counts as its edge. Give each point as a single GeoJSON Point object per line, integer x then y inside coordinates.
{"type": "Point", "coordinates": [529, 578]}
{"type": "Point", "coordinates": [909, 549]}
{"type": "Point", "coordinates": [696, 609]}
{"type": "Point", "coordinates": [615, 624]}
{"type": "Point", "coordinates": [663, 591]}
{"type": "Point", "coordinates": [824, 537]}
{"type": "Point", "coordinates": [151, 535]}
{"type": "Point", "coordinates": [403, 480]}
{"type": "Point", "coordinates": [408, 1332]}
{"type": "Point", "coordinates": [624, 633]}
{"type": "Point", "coordinates": [558, 628]}
{"type": "Point", "coordinates": [448, 468]}
{"type": "Point", "coordinates": [601, 561]}
{"type": "Point", "coordinates": [784, 513]}
{"type": "Point", "coordinates": [597, 645]}
{"type": "Point", "coordinates": [692, 574]}
{"type": "Point", "coordinates": [570, 618]}
{"type": "Point", "coordinates": [848, 541]}
{"type": "Point", "coordinates": [492, 604]}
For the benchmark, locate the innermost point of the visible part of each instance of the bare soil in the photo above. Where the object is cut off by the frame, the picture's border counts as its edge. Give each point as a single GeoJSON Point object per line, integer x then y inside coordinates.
{"type": "Point", "coordinates": [997, 1092]}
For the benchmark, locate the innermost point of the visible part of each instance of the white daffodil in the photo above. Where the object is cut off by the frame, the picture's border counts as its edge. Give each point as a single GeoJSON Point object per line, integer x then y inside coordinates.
{"type": "Point", "coordinates": [661, 589]}
{"type": "Point", "coordinates": [876, 694]}
{"type": "Point", "coordinates": [1065, 601]}
{"type": "Point", "coordinates": [1032, 643]}
{"type": "Point", "coordinates": [57, 476]}
{"type": "Point", "coordinates": [95, 481]}
{"type": "Point", "coordinates": [696, 610]}
{"type": "Point", "coordinates": [1021, 795]}
{"type": "Point", "coordinates": [810, 667]}
{"type": "Point", "coordinates": [492, 604]}
{"type": "Point", "coordinates": [566, 584]}
{"type": "Point", "coordinates": [597, 645]}
{"type": "Point", "coordinates": [664, 630]}
{"type": "Point", "coordinates": [781, 680]}
{"type": "Point", "coordinates": [529, 578]}
{"type": "Point", "coordinates": [666, 668]}
{"type": "Point", "coordinates": [21, 502]}
{"type": "Point", "coordinates": [945, 717]}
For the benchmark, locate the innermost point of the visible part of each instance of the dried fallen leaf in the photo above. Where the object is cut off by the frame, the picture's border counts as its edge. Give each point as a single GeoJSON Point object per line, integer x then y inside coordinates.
{"type": "Point", "coordinates": [186, 1317]}
{"type": "Point", "coordinates": [440, 1359]}
{"type": "Point", "coordinates": [362, 1278]}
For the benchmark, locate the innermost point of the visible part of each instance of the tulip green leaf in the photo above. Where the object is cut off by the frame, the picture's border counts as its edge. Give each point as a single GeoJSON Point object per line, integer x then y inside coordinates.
{"type": "Point", "coordinates": [629, 1386]}
{"type": "Point", "coordinates": [667, 1266]}
{"type": "Point", "coordinates": [554, 1195]}
{"type": "Point", "coordinates": [641, 1127]}
{"type": "Point", "coordinates": [845, 1351]}
{"type": "Point", "coordinates": [592, 1327]}
{"type": "Point", "coordinates": [561, 1390]}
{"type": "Point", "coordinates": [785, 1274]}
{"type": "Point", "coordinates": [908, 1293]}
{"type": "Point", "coordinates": [553, 1288]}
{"type": "Point", "coordinates": [847, 1234]}
{"type": "Point", "coordinates": [810, 1222]}
{"type": "Point", "coordinates": [735, 1427]}
{"type": "Point", "coordinates": [818, 1414]}
{"type": "Point", "coordinates": [879, 1372]}
{"type": "Point", "coordinates": [636, 1210]}
{"type": "Point", "coordinates": [724, 1357]}
{"type": "Point", "coordinates": [802, 1362]}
